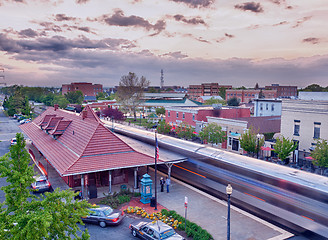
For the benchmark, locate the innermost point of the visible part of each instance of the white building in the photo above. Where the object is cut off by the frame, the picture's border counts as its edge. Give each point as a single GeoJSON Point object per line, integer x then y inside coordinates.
{"type": "Point", "coordinates": [267, 107]}
{"type": "Point", "coordinates": [304, 121]}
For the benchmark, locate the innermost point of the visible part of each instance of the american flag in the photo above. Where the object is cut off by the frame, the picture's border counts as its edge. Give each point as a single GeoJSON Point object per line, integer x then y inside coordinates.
{"type": "Point", "coordinates": [157, 149]}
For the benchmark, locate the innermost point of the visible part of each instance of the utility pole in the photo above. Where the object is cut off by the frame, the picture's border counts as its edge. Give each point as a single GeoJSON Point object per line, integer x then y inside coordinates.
{"type": "Point", "coordinates": [162, 79]}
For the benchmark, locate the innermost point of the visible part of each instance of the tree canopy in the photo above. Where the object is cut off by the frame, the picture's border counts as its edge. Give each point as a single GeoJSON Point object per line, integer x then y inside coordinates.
{"type": "Point", "coordinates": [160, 111]}
{"type": "Point", "coordinates": [130, 91]}
{"type": "Point", "coordinates": [284, 147]}
{"type": "Point", "coordinates": [25, 216]}
{"type": "Point", "coordinates": [250, 142]}
{"type": "Point", "coordinates": [320, 153]}
{"type": "Point", "coordinates": [75, 97]}
{"type": "Point", "coordinates": [213, 133]}
{"type": "Point", "coordinates": [233, 101]}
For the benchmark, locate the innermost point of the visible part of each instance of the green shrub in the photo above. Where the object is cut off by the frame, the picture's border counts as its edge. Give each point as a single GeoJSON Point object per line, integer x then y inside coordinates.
{"type": "Point", "coordinates": [123, 198]}
{"type": "Point", "coordinates": [193, 230]}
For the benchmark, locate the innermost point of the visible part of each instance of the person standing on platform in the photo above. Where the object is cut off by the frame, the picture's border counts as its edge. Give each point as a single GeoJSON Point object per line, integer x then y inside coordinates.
{"type": "Point", "coordinates": [162, 183]}
{"type": "Point", "coordinates": [168, 182]}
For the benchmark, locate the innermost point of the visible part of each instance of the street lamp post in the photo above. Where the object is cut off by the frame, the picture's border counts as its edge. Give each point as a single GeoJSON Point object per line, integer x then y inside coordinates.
{"type": "Point", "coordinates": [229, 192]}
{"type": "Point", "coordinates": [257, 146]}
{"type": "Point", "coordinates": [112, 123]}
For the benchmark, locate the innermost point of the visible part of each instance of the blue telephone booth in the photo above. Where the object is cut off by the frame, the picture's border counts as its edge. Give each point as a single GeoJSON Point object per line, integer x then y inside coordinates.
{"type": "Point", "coordinates": [146, 189]}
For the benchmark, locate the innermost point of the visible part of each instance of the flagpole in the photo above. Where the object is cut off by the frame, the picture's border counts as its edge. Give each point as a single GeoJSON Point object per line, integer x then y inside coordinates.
{"type": "Point", "coordinates": [156, 154]}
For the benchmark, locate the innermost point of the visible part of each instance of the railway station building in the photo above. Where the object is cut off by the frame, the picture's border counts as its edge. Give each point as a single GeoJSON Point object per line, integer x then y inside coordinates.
{"type": "Point", "coordinates": [82, 150]}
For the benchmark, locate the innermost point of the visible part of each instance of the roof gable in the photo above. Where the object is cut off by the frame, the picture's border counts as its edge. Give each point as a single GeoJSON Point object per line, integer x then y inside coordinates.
{"type": "Point", "coordinates": [105, 142]}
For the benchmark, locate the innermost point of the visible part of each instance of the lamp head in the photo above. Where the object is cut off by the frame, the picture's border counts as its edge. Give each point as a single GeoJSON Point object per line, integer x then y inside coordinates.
{"type": "Point", "coordinates": [229, 189]}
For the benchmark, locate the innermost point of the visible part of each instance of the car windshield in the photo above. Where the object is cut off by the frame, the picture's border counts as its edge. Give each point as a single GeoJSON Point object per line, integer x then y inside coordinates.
{"type": "Point", "coordinates": [167, 234]}
{"type": "Point", "coordinates": [108, 211]}
{"type": "Point", "coordinates": [41, 183]}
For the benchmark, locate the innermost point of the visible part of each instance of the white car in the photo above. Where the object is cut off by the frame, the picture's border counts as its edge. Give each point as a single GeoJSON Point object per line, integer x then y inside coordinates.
{"type": "Point", "coordinates": [13, 141]}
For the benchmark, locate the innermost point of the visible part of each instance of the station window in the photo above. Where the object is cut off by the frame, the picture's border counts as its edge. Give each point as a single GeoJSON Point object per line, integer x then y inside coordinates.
{"type": "Point", "coordinates": [168, 113]}
{"type": "Point", "coordinates": [177, 115]}
{"type": "Point", "coordinates": [272, 107]}
{"type": "Point", "coordinates": [193, 117]}
{"type": "Point", "coordinates": [183, 115]}
{"type": "Point", "coordinates": [316, 134]}
{"type": "Point", "coordinates": [267, 106]}
{"type": "Point", "coordinates": [297, 127]}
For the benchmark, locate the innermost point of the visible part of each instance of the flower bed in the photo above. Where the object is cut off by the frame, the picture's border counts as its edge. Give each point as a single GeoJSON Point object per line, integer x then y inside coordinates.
{"type": "Point", "coordinates": [174, 220]}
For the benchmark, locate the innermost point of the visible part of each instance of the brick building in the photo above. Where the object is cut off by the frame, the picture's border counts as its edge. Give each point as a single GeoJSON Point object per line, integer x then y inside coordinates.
{"type": "Point", "coordinates": [283, 91]}
{"type": "Point", "coordinates": [205, 89]}
{"type": "Point", "coordinates": [247, 95]}
{"type": "Point", "coordinates": [195, 116]}
{"type": "Point", "coordinates": [88, 89]}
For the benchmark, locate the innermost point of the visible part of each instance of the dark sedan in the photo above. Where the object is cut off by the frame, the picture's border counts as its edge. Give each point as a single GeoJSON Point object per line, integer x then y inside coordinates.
{"type": "Point", "coordinates": [104, 216]}
{"type": "Point", "coordinates": [154, 231]}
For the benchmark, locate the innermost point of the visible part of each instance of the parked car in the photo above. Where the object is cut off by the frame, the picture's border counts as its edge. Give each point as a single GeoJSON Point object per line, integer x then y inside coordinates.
{"type": "Point", "coordinates": [41, 184]}
{"type": "Point", "coordinates": [27, 120]}
{"type": "Point", "coordinates": [104, 216]}
{"type": "Point", "coordinates": [13, 141]}
{"type": "Point", "coordinates": [154, 230]}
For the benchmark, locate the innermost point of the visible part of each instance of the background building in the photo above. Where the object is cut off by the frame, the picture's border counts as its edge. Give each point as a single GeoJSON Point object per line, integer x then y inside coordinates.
{"type": "Point", "coordinates": [283, 91]}
{"type": "Point", "coordinates": [267, 107]}
{"type": "Point", "coordinates": [205, 89]}
{"type": "Point", "coordinates": [196, 116]}
{"type": "Point", "coordinates": [88, 89]}
{"type": "Point", "coordinates": [305, 122]}
{"type": "Point", "coordinates": [247, 95]}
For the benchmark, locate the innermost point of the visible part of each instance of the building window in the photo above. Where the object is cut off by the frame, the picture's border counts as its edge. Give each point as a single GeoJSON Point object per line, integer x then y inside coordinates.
{"type": "Point", "coordinates": [261, 106]}
{"type": "Point", "coordinates": [177, 115]}
{"type": "Point", "coordinates": [183, 115]}
{"type": "Point", "coordinates": [168, 113]}
{"type": "Point", "coordinates": [193, 117]}
{"type": "Point", "coordinates": [316, 134]}
{"type": "Point", "coordinates": [230, 141]}
{"type": "Point", "coordinates": [297, 127]}
{"type": "Point", "coordinates": [272, 107]}
{"type": "Point", "coordinates": [267, 107]}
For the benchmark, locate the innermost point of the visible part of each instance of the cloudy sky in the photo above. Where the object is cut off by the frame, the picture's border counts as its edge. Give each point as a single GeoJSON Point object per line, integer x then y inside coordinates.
{"type": "Point", "coordinates": [241, 43]}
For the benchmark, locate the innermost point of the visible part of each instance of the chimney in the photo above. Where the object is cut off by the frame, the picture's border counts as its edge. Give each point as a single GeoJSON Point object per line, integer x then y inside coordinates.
{"type": "Point", "coordinates": [56, 106]}
{"type": "Point", "coordinates": [84, 114]}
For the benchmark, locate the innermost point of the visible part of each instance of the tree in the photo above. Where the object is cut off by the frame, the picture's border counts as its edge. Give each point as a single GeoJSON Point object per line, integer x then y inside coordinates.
{"type": "Point", "coordinates": [130, 91]}
{"type": "Point", "coordinates": [213, 100]}
{"type": "Point", "coordinates": [314, 88]}
{"type": "Point", "coordinates": [29, 217]}
{"type": "Point", "coordinates": [284, 147]}
{"type": "Point", "coordinates": [213, 133]}
{"type": "Point", "coordinates": [160, 111]}
{"type": "Point", "coordinates": [75, 97]}
{"type": "Point", "coordinates": [60, 100]}
{"type": "Point", "coordinates": [250, 142]}
{"type": "Point", "coordinates": [184, 130]}
{"type": "Point", "coordinates": [222, 92]}
{"type": "Point", "coordinates": [113, 113]}
{"type": "Point", "coordinates": [101, 96]}
{"type": "Point", "coordinates": [163, 127]}
{"type": "Point", "coordinates": [233, 101]}
{"type": "Point", "coordinates": [320, 154]}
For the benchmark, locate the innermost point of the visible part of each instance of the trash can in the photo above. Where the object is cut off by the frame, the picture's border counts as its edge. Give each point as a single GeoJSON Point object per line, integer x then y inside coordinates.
{"type": "Point", "coordinates": [92, 191]}
{"type": "Point", "coordinates": [152, 202]}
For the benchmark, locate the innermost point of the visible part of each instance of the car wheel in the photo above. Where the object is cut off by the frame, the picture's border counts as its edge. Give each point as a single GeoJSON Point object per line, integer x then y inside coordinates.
{"type": "Point", "coordinates": [134, 233]}
{"type": "Point", "coordinates": [102, 224]}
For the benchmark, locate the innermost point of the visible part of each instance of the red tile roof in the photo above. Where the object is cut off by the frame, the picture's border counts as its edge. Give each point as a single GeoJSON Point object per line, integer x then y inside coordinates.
{"type": "Point", "coordinates": [77, 144]}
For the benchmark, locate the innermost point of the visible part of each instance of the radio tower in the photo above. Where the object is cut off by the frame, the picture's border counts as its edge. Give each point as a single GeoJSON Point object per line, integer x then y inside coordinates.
{"type": "Point", "coordinates": [162, 79]}
{"type": "Point", "coordinates": [2, 75]}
